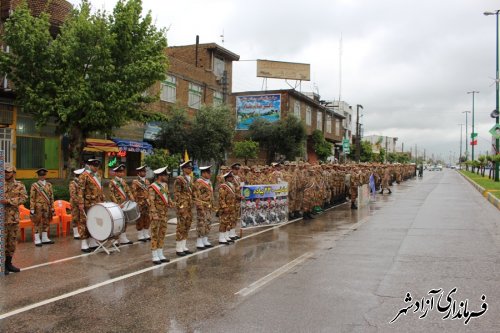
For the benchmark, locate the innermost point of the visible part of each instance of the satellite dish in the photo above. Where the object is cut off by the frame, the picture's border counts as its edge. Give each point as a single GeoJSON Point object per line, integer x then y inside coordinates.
{"type": "Point", "coordinates": [494, 114]}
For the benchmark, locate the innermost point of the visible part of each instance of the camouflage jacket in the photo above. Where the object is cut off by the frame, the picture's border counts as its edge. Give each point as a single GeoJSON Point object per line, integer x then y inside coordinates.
{"type": "Point", "coordinates": [15, 195]}
{"type": "Point", "coordinates": [158, 201]}
{"type": "Point", "coordinates": [90, 190]}
{"type": "Point", "coordinates": [227, 196]}
{"type": "Point", "coordinates": [183, 192]}
{"type": "Point", "coordinates": [203, 194]}
{"type": "Point", "coordinates": [41, 196]}
{"type": "Point", "coordinates": [140, 191]}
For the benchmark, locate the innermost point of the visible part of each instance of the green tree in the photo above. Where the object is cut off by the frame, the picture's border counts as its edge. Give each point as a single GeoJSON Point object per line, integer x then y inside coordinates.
{"type": "Point", "coordinates": [161, 158]}
{"type": "Point", "coordinates": [246, 150]}
{"type": "Point", "coordinates": [212, 133]}
{"type": "Point", "coordinates": [285, 137]}
{"type": "Point", "coordinates": [366, 154]}
{"type": "Point", "coordinates": [175, 134]}
{"type": "Point", "coordinates": [322, 147]}
{"type": "Point", "coordinates": [92, 76]}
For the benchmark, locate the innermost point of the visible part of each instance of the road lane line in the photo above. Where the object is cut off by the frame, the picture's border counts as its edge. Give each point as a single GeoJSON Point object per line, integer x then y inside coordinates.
{"type": "Point", "coordinates": [273, 275]}
{"type": "Point", "coordinates": [123, 277]}
{"type": "Point", "coordinates": [88, 254]}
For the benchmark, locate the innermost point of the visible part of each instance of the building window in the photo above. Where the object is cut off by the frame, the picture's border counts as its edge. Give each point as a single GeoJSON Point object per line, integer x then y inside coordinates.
{"type": "Point", "coordinates": [329, 124]}
{"type": "Point", "coordinates": [195, 94]}
{"type": "Point", "coordinates": [296, 109]}
{"type": "Point", "coordinates": [308, 116]}
{"type": "Point", "coordinates": [219, 66]}
{"type": "Point", "coordinates": [218, 98]}
{"type": "Point", "coordinates": [337, 127]}
{"type": "Point", "coordinates": [319, 120]}
{"type": "Point", "coordinates": [169, 89]}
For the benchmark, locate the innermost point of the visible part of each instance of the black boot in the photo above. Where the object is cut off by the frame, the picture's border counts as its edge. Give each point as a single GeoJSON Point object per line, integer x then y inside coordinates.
{"type": "Point", "coordinates": [390, 191]}
{"type": "Point", "coordinates": [9, 267]}
{"type": "Point", "coordinates": [290, 216]}
{"type": "Point", "coordinates": [381, 191]}
{"type": "Point", "coordinates": [353, 206]}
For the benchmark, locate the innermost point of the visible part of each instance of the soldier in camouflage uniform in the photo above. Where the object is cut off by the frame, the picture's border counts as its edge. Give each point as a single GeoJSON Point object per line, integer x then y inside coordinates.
{"type": "Point", "coordinates": [119, 193]}
{"type": "Point", "coordinates": [227, 203]}
{"type": "Point", "coordinates": [183, 196]}
{"type": "Point", "coordinates": [15, 195]}
{"type": "Point", "coordinates": [385, 181]}
{"type": "Point", "coordinates": [158, 204]}
{"type": "Point", "coordinates": [76, 215]}
{"type": "Point", "coordinates": [89, 193]}
{"type": "Point", "coordinates": [237, 182]}
{"type": "Point", "coordinates": [41, 207]}
{"type": "Point", "coordinates": [310, 189]}
{"type": "Point", "coordinates": [140, 191]}
{"type": "Point", "coordinates": [355, 182]}
{"type": "Point", "coordinates": [203, 195]}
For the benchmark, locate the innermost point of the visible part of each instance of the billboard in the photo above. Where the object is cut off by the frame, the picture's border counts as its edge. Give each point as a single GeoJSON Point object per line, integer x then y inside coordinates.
{"type": "Point", "coordinates": [264, 205]}
{"type": "Point", "coordinates": [249, 108]}
{"type": "Point", "coordinates": [283, 70]}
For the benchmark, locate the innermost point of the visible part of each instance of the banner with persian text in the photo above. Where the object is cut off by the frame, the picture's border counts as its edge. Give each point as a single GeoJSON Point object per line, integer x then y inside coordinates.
{"type": "Point", "coordinates": [264, 205]}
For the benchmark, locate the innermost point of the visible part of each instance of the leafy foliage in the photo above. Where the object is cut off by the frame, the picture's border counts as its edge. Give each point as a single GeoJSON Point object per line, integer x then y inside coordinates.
{"type": "Point", "coordinates": [322, 147]}
{"type": "Point", "coordinates": [285, 137]}
{"type": "Point", "coordinates": [175, 132]}
{"type": "Point", "coordinates": [161, 158]}
{"type": "Point", "coordinates": [92, 76]}
{"type": "Point", "coordinates": [246, 150]}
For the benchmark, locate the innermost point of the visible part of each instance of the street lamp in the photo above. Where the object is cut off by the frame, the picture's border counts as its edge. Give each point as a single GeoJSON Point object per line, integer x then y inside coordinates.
{"type": "Point", "coordinates": [460, 156]}
{"type": "Point", "coordinates": [358, 134]}
{"type": "Point", "coordinates": [473, 135]}
{"type": "Point", "coordinates": [466, 135]}
{"type": "Point", "coordinates": [497, 107]}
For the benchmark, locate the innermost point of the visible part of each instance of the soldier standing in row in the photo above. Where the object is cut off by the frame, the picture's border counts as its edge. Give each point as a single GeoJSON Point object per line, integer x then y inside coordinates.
{"type": "Point", "coordinates": [158, 210]}
{"type": "Point", "coordinates": [41, 207]}
{"type": "Point", "coordinates": [15, 194]}
{"type": "Point", "coordinates": [203, 194]}
{"type": "Point", "coordinates": [140, 192]}
{"type": "Point", "coordinates": [385, 181]}
{"type": "Point", "coordinates": [227, 203]}
{"type": "Point", "coordinates": [183, 196]}
{"type": "Point", "coordinates": [76, 215]}
{"type": "Point", "coordinates": [89, 193]}
{"type": "Point", "coordinates": [238, 183]}
{"type": "Point", "coordinates": [119, 193]}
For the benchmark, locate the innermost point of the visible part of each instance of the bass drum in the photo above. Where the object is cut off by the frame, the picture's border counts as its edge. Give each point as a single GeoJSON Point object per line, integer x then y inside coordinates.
{"type": "Point", "coordinates": [105, 220]}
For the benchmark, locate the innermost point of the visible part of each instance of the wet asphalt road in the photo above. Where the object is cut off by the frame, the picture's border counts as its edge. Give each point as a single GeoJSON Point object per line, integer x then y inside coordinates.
{"type": "Point", "coordinates": [345, 271]}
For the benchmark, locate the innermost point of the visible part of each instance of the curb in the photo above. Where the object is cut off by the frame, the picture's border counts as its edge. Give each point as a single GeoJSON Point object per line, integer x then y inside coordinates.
{"type": "Point", "coordinates": [490, 197]}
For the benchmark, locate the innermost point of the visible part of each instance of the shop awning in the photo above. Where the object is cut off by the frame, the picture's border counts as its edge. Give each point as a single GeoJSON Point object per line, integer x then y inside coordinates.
{"type": "Point", "coordinates": [134, 146]}
{"type": "Point", "coordinates": [100, 145]}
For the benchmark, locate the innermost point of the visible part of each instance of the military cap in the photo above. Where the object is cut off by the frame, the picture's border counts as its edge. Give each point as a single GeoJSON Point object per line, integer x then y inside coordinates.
{"type": "Point", "coordinates": [187, 164]}
{"type": "Point", "coordinates": [161, 171]}
{"type": "Point", "coordinates": [41, 171]}
{"type": "Point", "coordinates": [9, 168]}
{"type": "Point", "coordinates": [141, 168]}
{"type": "Point", "coordinates": [119, 168]}
{"type": "Point", "coordinates": [205, 168]}
{"type": "Point", "coordinates": [235, 166]}
{"type": "Point", "coordinates": [79, 171]}
{"type": "Point", "coordinates": [228, 174]}
{"type": "Point", "coordinates": [94, 161]}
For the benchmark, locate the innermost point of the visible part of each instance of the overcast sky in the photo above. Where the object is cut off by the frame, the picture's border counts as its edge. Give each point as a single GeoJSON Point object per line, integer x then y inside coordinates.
{"type": "Point", "coordinates": [409, 63]}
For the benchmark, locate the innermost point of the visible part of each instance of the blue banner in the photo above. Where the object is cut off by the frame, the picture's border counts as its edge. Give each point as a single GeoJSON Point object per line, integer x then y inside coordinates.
{"type": "Point", "coordinates": [250, 108]}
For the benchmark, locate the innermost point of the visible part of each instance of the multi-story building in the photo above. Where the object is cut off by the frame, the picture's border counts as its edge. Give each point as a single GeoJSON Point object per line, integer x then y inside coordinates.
{"type": "Point", "coordinates": [275, 104]}
{"type": "Point", "coordinates": [24, 145]}
{"type": "Point", "coordinates": [382, 142]}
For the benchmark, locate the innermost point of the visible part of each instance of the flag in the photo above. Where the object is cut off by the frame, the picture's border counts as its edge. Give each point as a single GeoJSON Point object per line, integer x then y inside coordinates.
{"type": "Point", "coordinates": [186, 156]}
{"type": "Point", "coordinates": [473, 143]}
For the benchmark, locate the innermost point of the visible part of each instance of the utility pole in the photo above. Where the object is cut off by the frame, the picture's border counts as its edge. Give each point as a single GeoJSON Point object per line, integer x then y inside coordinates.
{"type": "Point", "coordinates": [460, 156]}
{"type": "Point", "coordinates": [358, 138]}
{"type": "Point", "coordinates": [473, 134]}
{"type": "Point", "coordinates": [466, 135]}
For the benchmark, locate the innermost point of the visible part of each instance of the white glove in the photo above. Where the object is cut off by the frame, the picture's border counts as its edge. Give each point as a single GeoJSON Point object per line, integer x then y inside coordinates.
{"type": "Point", "coordinates": [32, 212]}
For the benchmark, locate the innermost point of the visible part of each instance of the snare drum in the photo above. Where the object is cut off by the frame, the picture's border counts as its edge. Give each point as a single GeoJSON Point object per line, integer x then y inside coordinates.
{"type": "Point", "coordinates": [131, 211]}
{"type": "Point", "coordinates": [105, 220]}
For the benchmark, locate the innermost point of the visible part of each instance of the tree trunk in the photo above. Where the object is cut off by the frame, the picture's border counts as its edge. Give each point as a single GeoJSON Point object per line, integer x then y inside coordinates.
{"type": "Point", "coordinates": [76, 145]}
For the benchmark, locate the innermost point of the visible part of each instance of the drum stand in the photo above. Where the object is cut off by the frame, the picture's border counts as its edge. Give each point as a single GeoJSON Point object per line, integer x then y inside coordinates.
{"type": "Point", "coordinates": [110, 248]}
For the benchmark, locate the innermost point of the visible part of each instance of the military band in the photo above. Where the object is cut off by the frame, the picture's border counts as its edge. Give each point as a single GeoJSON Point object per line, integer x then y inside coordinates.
{"type": "Point", "coordinates": [310, 187]}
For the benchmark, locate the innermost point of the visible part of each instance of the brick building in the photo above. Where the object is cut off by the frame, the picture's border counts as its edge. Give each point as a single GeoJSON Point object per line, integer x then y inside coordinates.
{"type": "Point", "coordinates": [24, 145]}
{"type": "Point", "coordinates": [280, 104]}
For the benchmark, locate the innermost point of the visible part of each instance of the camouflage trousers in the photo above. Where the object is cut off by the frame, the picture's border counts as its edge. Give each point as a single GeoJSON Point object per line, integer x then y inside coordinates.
{"type": "Point", "coordinates": [144, 221]}
{"type": "Point", "coordinates": [226, 218]}
{"type": "Point", "coordinates": [203, 221]}
{"type": "Point", "coordinates": [11, 234]}
{"type": "Point", "coordinates": [184, 220]}
{"type": "Point", "coordinates": [354, 193]}
{"type": "Point", "coordinates": [82, 226]}
{"type": "Point", "coordinates": [158, 231]}
{"type": "Point", "coordinates": [309, 200]}
{"type": "Point", "coordinates": [76, 216]}
{"type": "Point", "coordinates": [41, 219]}
{"type": "Point", "coordinates": [237, 216]}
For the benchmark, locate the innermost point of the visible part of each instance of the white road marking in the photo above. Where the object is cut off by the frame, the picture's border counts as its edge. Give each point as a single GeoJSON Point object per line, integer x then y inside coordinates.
{"type": "Point", "coordinates": [88, 254]}
{"type": "Point", "coordinates": [122, 277]}
{"type": "Point", "coordinates": [273, 275]}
